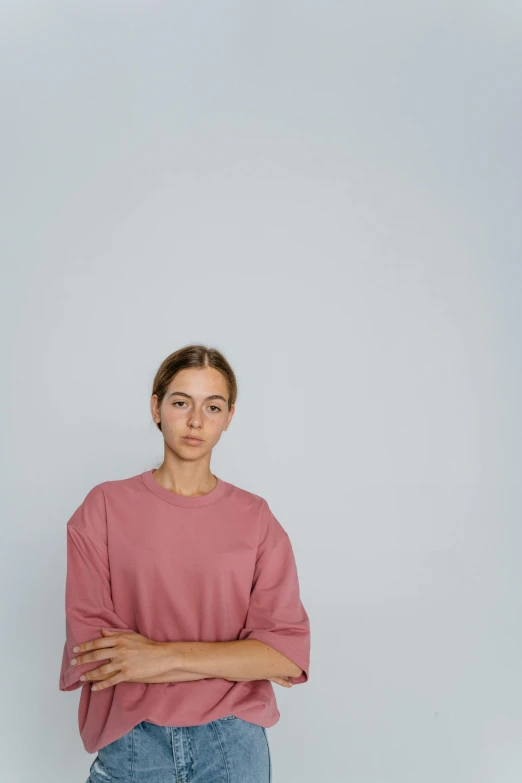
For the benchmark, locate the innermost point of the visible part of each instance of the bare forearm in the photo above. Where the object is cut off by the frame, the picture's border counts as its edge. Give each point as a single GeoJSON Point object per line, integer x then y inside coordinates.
{"type": "Point", "coordinates": [176, 675]}
{"type": "Point", "coordinates": [245, 659]}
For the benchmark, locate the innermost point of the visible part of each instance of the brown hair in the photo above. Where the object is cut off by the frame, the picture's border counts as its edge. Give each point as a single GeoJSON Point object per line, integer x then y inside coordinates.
{"type": "Point", "coordinates": [193, 356]}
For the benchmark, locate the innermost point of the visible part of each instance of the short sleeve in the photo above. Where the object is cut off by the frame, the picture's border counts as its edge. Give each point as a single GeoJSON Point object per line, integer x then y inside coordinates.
{"type": "Point", "coordinates": [88, 600]}
{"type": "Point", "coordinates": [276, 614]}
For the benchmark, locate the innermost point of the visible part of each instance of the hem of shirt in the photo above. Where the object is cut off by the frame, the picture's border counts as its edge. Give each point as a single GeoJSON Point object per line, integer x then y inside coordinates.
{"type": "Point", "coordinates": [71, 677]}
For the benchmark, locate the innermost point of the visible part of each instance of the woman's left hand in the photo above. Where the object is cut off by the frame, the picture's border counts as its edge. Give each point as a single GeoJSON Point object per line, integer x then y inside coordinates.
{"type": "Point", "coordinates": [132, 657]}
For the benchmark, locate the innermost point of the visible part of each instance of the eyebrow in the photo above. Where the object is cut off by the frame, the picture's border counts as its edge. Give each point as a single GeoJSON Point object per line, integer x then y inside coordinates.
{"type": "Point", "coordinates": [210, 397]}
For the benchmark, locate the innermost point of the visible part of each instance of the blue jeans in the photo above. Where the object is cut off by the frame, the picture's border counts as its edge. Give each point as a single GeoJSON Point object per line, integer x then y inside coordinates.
{"type": "Point", "coordinates": [226, 750]}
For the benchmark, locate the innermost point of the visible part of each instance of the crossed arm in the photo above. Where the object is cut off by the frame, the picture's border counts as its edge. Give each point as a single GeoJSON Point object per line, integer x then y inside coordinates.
{"type": "Point", "coordinates": [136, 658]}
{"type": "Point", "coordinates": [248, 659]}
{"type": "Point", "coordinates": [120, 654]}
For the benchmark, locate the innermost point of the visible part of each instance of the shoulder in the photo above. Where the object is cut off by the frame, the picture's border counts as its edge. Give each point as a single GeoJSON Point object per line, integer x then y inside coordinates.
{"type": "Point", "coordinates": [270, 530]}
{"type": "Point", "coordinates": [251, 504]}
{"type": "Point", "coordinates": [244, 500]}
{"type": "Point", "coordinates": [90, 516]}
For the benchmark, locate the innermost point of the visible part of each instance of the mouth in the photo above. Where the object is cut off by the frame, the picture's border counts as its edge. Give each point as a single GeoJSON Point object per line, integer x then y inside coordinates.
{"type": "Point", "coordinates": [192, 441]}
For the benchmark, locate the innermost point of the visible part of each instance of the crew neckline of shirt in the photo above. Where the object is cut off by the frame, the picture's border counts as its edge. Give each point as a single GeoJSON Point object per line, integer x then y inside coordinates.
{"type": "Point", "coordinates": [181, 500]}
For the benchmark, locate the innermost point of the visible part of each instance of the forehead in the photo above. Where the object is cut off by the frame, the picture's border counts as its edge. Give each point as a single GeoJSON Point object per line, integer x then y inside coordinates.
{"type": "Point", "coordinates": [199, 381]}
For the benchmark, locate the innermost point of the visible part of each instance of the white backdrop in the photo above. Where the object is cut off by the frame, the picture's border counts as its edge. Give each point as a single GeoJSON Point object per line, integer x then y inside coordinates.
{"type": "Point", "coordinates": [330, 194]}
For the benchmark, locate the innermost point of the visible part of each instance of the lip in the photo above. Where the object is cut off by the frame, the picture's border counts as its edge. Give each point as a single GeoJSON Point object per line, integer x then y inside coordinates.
{"type": "Point", "coordinates": [192, 441]}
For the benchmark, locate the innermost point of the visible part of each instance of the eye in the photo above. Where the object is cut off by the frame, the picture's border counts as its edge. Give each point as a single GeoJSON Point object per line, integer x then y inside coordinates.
{"type": "Point", "coordinates": [182, 402]}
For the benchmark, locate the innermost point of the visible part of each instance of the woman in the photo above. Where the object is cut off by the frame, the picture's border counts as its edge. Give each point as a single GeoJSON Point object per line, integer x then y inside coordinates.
{"type": "Point", "coordinates": [182, 603]}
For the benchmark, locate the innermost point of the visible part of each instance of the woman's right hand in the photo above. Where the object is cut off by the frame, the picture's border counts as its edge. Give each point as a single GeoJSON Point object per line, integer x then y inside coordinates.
{"type": "Point", "coordinates": [282, 681]}
{"type": "Point", "coordinates": [278, 680]}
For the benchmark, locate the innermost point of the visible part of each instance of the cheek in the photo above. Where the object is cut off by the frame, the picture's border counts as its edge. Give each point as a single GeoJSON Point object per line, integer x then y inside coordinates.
{"type": "Point", "coordinates": [175, 414]}
{"type": "Point", "coordinates": [174, 420]}
{"type": "Point", "coordinates": [214, 433]}
{"type": "Point", "coordinates": [214, 424]}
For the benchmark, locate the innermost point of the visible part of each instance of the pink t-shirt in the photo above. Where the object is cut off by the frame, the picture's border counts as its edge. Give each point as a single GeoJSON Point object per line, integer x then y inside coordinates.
{"type": "Point", "coordinates": [211, 568]}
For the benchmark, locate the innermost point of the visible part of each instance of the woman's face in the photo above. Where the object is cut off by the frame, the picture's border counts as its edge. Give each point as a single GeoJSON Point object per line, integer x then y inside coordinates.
{"type": "Point", "coordinates": [196, 403]}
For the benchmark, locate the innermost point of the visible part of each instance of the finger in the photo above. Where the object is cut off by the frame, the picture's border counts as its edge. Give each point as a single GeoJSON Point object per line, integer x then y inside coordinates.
{"type": "Point", "coordinates": [95, 655]}
{"type": "Point", "coordinates": [106, 676]}
{"type": "Point", "coordinates": [102, 672]}
{"type": "Point", "coordinates": [94, 644]}
{"type": "Point", "coordinates": [282, 681]}
{"type": "Point", "coordinates": [114, 680]}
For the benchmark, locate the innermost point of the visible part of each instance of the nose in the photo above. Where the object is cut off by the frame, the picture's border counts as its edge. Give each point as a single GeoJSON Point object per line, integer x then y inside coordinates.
{"type": "Point", "coordinates": [195, 420]}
